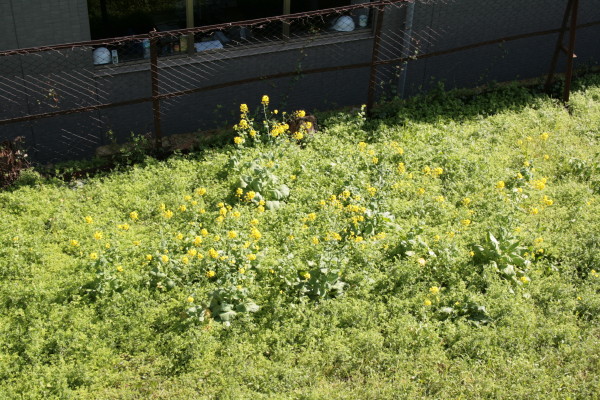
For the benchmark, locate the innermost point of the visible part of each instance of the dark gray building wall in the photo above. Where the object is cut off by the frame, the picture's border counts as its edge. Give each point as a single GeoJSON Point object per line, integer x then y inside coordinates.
{"type": "Point", "coordinates": [32, 23]}
{"type": "Point", "coordinates": [463, 22]}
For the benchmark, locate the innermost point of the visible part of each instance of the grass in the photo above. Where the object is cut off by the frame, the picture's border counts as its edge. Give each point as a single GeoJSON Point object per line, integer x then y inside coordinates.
{"type": "Point", "coordinates": [447, 248]}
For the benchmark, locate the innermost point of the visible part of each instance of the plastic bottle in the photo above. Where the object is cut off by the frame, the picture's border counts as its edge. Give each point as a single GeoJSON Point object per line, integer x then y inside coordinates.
{"type": "Point", "coordinates": [146, 45]}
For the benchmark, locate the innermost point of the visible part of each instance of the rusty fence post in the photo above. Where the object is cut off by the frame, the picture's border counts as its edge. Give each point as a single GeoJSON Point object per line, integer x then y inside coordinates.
{"type": "Point", "coordinates": [571, 11]}
{"type": "Point", "coordinates": [374, 58]}
{"type": "Point", "coordinates": [155, 90]}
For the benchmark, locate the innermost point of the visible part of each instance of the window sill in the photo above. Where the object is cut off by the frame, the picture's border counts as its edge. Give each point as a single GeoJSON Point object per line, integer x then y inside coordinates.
{"type": "Point", "coordinates": [238, 51]}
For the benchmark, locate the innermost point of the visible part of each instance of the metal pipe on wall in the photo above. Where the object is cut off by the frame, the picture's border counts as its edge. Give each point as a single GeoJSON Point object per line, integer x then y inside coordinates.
{"type": "Point", "coordinates": [408, 28]}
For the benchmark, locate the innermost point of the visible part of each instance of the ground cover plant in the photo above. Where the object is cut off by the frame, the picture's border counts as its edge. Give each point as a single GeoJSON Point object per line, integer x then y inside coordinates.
{"type": "Point", "coordinates": [446, 248]}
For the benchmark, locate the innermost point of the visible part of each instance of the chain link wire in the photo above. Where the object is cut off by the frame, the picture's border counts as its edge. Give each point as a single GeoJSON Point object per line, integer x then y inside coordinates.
{"type": "Point", "coordinates": [67, 100]}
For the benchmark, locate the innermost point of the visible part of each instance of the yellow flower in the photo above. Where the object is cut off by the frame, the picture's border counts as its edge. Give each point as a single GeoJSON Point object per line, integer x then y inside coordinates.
{"type": "Point", "coordinates": [440, 199]}
{"type": "Point", "coordinates": [197, 241]}
{"type": "Point", "coordinates": [243, 124]}
{"type": "Point", "coordinates": [179, 236]}
{"type": "Point", "coordinates": [362, 146]}
{"type": "Point", "coordinates": [210, 274]}
{"type": "Point", "coordinates": [162, 207]}
{"type": "Point", "coordinates": [164, 258]}
{"type": "Point", "coordinates": [546, 157]}
{"type": "Point", "coordinates": [434, 290]}
{"type": "Point", "coordinates": [213, 253]}
{"type": "Point", "coordinates": [232, 234]}
{"type": "Point", "coordinates": [306, 275]}
{"type": "Point", "coordinates": [236, 214]}
{"type": "Point", "coordinates": [255, 234]}
{"type": "Point", "coordinates": [438, 171]}
{"type": "Point", "coordinates": [119, 268]}
{"type": "Point", "coordinates": [466, 222]}
{"type": "Point", "coordinates": [371, 190]}
{"type": "Point", "coordinates": [190, 299]}
{"type": "Point", "coordinates": [547, 201]}
{"type": "Point", "coordinates": [201, 191]}
{"type": "Point", "coordinates": [534, 211]}
{"type": "Point", "coordinates": [524, 279]}
{"type": "Point", "coordinates": [539, 184]}
{"type": "Point", "coordinates": [93, 256]}
{"type": "Point", "coordinates": [254, 222]}
{"type": "Point", "coordinates": [74, 243]}
{"type": "Point", "coordinates": [192, 252]}
{"type": "Point", "coordinates": [243, 108]}
{"type": "Point", "coordinates": [251, 257]}
{"type": "Point", "coordinates": [420, 191]}
{"type": "Point", "coordinates": [250, 195]}
{"type": "Point", "coordinates": [98, 235]}
{"type": "Point", "coordinates": [185, 260]}
{"type": "Point", "coordinates": [265, 100]}
{"type": "Point", "coordinates": [538, 241]}
{"type": "Point", "coordinates": [168, 214]}
{"type": "Point", "coordinates": [375, 160]}
{"type": "Point", "coordinates": [315, 240]}
{"type": "Point", "coordinates": [466, 201]}
{"type": "Point", "coordinates": [217, 238]}
{"type": "Point", "coordinates": [500, 185]}
{"type": "Point", "coordinates": [427, 303]}
{"type": "Point", "coordinates": [148, 257]}
{"type": "Point", "coordinates": [252, 133]}
{"type": "Point", "coordinates": [544, 136]}
{"type": "Point", "coordinates": [136, 242]}
{"type": "Point", "coordinates": [401, 168]}
{"type": "Point", "coordinates": [427, 170]}
{"type": "Point", "coordinates": [107, 245]}
{"type": "Point", "coordinates": [89, 220]}
{"type": "Point", "coordinates": [298, 135]}
{"type": "Point", "coordinates": [422, 261]}
{"type": "Point", "coordinates": [260, 209]}
{"type": "Point", "coordinates": [133, 215]}
{"type": "Point", "coordinates": [242, 270]}
{"type": "Point", "coordinates": [204, 232]}
{"type": "Point", "coordinates": [182, 208]}
{"type": "Point", "coordinates": [300, 113]}
{"type": "Point", "coordinates": [124, 227]}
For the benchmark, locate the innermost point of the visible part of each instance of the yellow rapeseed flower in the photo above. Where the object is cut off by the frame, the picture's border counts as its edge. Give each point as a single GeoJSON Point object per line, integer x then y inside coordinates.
{"type": "Point", "coordinates": [164, 258]}
{"type": "Point", "coordinates": [500, 185]}
{"type": "Point", "coordinates": [89, 220]}
{"type": "Point", "coordinates": [265, 100]}
{"type": "Point", "coordinates": [232, 234]}
{"type": "Point", "coordinates": [201, 191]}
{"type": "Point", "coordinates": [204, 232]}
{"type": "Point", "coordinates": [74, 243]}
{"type": "Point", "coordinates": [168, 214]}
{"type": "Point", "coordinates": [243, 108]}
{"type": "Point", "coordinates": [148, 257]}
{"type": "Point", "coordinates": [434, 290]}
{"type": "Point", "coordinates": [98, 235]}
{"type": "Point", "coordinates": [134, 215]}
{"type": "Point", "coordinates": [213, 253]}
{"type": "Point", "coordinates": [427, 303]}
{"type": "Point", "coordinates": [93, 256]}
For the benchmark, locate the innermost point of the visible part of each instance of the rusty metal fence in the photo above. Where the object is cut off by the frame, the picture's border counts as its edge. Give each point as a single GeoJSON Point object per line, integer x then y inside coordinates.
{"type": "Point", "coordinates": [67, 100]}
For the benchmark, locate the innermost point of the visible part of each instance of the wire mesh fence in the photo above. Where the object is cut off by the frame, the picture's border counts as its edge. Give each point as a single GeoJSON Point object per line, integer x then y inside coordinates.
{"type": "Point", "coordinates": [68, 100]}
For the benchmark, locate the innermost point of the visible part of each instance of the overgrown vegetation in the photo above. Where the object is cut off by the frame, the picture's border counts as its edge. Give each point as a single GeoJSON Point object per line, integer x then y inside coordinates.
{"type": "Point", "coordinates": [447, 249]}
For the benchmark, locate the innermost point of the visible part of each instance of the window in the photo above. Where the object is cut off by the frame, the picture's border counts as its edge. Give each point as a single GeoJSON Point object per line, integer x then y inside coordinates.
{"type": "Point", "coordinates": [113, 18]}
{"type": "Point", "coordinates": [116, 18]}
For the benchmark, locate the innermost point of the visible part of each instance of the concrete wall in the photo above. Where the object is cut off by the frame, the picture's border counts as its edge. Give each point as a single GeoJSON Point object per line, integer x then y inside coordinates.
{"type": "Point", "coordinates": [32, 23]}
